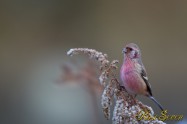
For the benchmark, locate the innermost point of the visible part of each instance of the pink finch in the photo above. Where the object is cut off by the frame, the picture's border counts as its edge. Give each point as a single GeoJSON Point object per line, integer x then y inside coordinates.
{"type": "Point", "coordinates": [133, 73]}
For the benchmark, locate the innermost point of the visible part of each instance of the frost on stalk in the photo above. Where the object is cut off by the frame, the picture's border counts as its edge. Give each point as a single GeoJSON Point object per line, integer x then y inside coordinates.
{"type": "Point", "coordinates": [106, 100]}
{"type": "Point", "coordinates": [103, 78]}
{"type": "Point", "coordinates": [126, 108]}
{"type": "Point", "coordinates": [108, 72]}
{"type": "Point", "coordinates": [102, 58]}
{"type": "Point", "coordinates": [119, 112]}
{"type": "Point", "coordinates": [127, 111]}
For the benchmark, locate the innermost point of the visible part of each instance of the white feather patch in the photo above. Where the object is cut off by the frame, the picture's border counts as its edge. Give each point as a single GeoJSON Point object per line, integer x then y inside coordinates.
{"type": "Point", "coordinates": [145, 77]}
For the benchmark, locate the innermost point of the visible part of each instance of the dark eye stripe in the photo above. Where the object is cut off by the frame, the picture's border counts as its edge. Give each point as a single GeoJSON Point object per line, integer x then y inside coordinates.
{"type": "Point", "coordinates": [129, 48]}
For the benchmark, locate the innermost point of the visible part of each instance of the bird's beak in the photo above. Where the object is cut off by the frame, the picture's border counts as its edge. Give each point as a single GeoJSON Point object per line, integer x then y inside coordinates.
{"type": "Point", "coordinates": [124, 50]}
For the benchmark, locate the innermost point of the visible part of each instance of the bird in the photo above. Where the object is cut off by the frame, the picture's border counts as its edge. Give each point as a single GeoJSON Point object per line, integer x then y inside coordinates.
{"type": "Point", "coordinates": [133, 73]}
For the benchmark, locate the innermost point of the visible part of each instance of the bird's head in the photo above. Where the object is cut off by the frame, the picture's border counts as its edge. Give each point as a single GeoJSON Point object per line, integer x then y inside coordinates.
{"type": "Point", "coordinates": [131, 50]}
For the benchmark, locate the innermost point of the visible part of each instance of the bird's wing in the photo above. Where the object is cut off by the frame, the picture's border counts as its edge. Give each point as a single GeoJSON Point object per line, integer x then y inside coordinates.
{"type": "Point", "coordinates": [145, 78]}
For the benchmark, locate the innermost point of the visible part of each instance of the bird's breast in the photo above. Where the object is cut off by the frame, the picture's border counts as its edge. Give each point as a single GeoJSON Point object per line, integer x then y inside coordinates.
{"type": "Point", "coordinates": [132, 80]}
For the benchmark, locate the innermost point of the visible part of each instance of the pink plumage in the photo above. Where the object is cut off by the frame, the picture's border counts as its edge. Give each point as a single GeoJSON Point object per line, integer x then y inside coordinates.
{"type": "Point", "coordinates": [133, 73]}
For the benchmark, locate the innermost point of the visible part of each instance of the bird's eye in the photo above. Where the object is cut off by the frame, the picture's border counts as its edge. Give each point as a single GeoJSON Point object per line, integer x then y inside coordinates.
{"type": "Point", "coordinates": [130, 49]}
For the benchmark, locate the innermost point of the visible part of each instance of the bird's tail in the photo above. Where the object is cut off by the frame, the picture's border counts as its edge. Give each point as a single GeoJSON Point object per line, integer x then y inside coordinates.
{"type": "Point", "coordinates": [155, 101]}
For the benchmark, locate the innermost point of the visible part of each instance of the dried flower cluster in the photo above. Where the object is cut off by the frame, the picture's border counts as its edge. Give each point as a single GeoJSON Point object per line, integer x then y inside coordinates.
{"type": "Point", "coordinates": [127, 108]}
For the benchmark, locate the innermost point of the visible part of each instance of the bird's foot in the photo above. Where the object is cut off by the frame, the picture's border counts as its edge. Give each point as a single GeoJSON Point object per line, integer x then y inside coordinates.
{"type": "Point", "coordinates": [122, 88]}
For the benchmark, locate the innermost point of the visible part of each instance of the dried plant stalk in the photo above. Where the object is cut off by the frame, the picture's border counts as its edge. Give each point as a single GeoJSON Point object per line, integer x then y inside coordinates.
{"type": "Point", "coordinates": [127, 108]}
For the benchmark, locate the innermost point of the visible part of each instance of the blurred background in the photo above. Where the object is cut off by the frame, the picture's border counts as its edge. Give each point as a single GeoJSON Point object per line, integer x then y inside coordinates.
{"type": "Point", "coordinates": [36, 34]}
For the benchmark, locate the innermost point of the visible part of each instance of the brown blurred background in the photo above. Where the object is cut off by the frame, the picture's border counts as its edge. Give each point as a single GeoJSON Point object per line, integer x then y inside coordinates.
{"type": "Point", "coordinates": [35, 35]}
